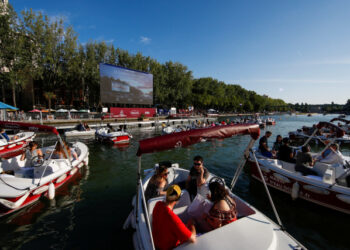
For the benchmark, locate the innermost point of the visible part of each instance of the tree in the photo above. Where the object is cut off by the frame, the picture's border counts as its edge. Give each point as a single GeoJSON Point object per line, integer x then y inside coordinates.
{"type": "Point", "coordinates": [14, 56]}
{"type": "Point", "coordinates": [49, 96]}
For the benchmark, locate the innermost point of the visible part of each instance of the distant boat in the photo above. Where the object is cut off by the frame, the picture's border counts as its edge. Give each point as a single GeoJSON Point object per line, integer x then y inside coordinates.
{"type": "Point", "coordinates": [309, 114]}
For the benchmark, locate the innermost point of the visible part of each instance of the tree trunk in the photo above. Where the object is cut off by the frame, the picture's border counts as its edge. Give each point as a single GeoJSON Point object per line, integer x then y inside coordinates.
{"type": "Point", "coordinates": [49, 105]}
{"type": "Point", "coordinates": [3, 92]}
{"type": "Point", "coordinates": [14, 95]}
{"type": "Point", "coordinates": [83, 87]}
{"type": "Point", "coordinates": [33, 98]}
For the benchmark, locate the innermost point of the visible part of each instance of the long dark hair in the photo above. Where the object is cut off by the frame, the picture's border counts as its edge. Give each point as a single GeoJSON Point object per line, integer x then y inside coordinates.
{"type": "Point", "coordinates": [218, 191]}
{"type": "Point", "coordinates": [278, 136]}
{"type": "Point", "coordinates": [163, 166]}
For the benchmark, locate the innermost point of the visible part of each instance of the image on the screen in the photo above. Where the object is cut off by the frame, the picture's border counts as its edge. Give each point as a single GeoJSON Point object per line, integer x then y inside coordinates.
{"type": "Point", "coordinates": [121, 85]}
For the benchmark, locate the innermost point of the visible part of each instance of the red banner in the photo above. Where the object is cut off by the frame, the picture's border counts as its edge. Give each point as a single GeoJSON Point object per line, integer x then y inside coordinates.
{"type": "Point", "coordinates": [132, 112]}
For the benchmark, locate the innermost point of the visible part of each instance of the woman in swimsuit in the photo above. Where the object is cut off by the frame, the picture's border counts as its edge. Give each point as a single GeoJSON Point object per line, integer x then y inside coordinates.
{"type": "Point", "coordinates": [223, 210]}
{"type": "Point", "coordinates": [158, 182]}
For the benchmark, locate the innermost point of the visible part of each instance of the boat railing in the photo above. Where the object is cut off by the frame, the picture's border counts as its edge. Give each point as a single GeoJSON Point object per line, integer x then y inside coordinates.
{"type": "Point", "coordinates": [267, 190]}
{"type": "Point", "coordinates": [143, 198]}
{"type": "Point", "coordinates": [49, 158]}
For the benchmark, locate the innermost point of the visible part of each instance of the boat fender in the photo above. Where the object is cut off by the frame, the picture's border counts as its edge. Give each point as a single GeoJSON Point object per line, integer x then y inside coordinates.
{"type": "Point", "coordinates": [130, 221]}
{"type": "Point", "coordinates": [61, 178]}
{"type": "Point", "coordinates": [281, 178]}
{"type": "Point", "coordinates": [316, 190]}
{"type": "Point", "coordinates": [344, 198]}
{"type": "Point", "coordinates": [14, 205]}
{"type": "Point", "coordinates": [51, 193]}
{"type": "Point", "coordinates": [41, 190]}
{"type": "Point", "coordinates": [295, 190]}
{"type": "Point", "coordinates": [264, 169]}
{"type": "Point", "coordinates": [133, 201]}
{"type": "Point", "coordinates": [73, 171]}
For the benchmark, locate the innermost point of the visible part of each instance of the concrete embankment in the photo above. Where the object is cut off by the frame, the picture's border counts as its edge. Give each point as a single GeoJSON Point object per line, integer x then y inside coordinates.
{"type": "Point", "coordinates": [126, 123]}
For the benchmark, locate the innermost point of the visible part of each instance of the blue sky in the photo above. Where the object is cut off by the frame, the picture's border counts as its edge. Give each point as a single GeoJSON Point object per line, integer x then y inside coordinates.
{"type": "Point", "coordinates": [295, 50]}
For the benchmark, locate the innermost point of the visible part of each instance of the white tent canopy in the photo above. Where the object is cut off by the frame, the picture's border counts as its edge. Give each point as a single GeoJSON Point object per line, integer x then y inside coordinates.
{"type": "Point", "coordinates": [62, 110]}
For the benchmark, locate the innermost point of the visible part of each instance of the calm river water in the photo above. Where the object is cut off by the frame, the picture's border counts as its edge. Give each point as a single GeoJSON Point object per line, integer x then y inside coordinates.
{"type": "Point", "coordinates": [89, 212]}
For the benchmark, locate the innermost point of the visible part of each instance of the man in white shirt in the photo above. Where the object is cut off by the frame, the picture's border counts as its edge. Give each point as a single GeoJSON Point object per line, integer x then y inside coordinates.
{"type": "Point", "coordinates": [332, 155]}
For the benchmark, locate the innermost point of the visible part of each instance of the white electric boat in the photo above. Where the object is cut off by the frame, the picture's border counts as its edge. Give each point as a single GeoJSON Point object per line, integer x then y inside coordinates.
{"type": "Point", "coordinates": [16, 144]}
{"type": "Point", "coordinates": [103, 134]}
{"type": "Point", "coordinates": [252, 230]}
{"type": "Point", "coordinates": [343, 124]}
{"type": "Point", "coordinates": [329, 188]}
{"type": "Point", "coordinates": [77, 133]}
{"type": "Point", "coordinates": [322, 135]}
{"type": "Point", "coordinates": [24, 182]}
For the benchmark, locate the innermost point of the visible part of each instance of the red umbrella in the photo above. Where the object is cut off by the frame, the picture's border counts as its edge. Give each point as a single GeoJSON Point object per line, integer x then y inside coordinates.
{"type": "Point", "coordinates": [35, 111]}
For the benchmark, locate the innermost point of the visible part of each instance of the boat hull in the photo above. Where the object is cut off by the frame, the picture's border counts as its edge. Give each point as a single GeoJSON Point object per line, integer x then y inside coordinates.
{"type": "Point", "coordinates": [76, 133]}
{"type": "Point", "coordinates": [119, 137]}
{"type": "Point", "coordinates": [43, 190]}
{"type": "Point", "coordinates": [312, 191]}
{"type": "Point", "coordinates": [15, 148]}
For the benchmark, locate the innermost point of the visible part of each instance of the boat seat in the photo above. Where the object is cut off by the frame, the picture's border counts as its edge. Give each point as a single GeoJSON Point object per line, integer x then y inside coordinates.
{"type": "Point", "coordinates": [77, 150]}
{"type": "Point", "coordinates": [180, 208]}
{"type": "Point", "coordinates": [315, 177]}
{"type": "Point", "coordinates": [287, 165]}
{"type": "Point", "coordinates": [321, 167]}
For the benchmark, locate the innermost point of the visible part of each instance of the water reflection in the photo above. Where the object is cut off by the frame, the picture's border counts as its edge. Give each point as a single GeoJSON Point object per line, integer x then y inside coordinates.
{"type": "Point", "coordinates": [90, 211]}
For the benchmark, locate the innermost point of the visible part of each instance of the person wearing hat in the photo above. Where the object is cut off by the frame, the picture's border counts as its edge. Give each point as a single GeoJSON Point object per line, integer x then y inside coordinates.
{"type": "Point", "coordinates": [286, 153]}
{"type": "Point", "coordinates": [167, 228]}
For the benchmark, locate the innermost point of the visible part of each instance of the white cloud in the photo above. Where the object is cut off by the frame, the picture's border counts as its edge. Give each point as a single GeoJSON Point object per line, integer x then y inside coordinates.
{"type": "Point", "coordinates": [145, 40]}
{"type": "Point", "coordinates": [281, 89]}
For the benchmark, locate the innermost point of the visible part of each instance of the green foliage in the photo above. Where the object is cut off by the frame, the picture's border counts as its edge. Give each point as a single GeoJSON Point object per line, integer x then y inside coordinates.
{"type": "Point", "coordinates": [66, 72]}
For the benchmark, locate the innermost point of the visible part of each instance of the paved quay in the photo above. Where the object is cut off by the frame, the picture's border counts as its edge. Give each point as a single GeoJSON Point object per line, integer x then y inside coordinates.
{"type": "Point", "coordinates": [128, 123]}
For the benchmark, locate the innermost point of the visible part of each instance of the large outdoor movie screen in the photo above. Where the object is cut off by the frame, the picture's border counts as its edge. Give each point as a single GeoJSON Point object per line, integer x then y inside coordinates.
{"type": "Point", "coordinates": [125, 86]}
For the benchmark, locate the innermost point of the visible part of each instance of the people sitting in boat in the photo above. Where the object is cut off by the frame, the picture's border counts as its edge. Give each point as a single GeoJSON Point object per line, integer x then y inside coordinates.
{"type": "Point", "coordinates": [80, 127]}
{"type": "Point", "coordinates": [4, 135]}
{"type": "Point", "coordinates": [286, 153]}
{"type": "Point", "coordinates": [86, 126]}
{"type": "Point", "coordinates": [158, 182]}
{"type": "Point", "coordinates": [110, 128]}
{"type": "Point", "coordinates": [304, 161]}
{"type": "Point", "coordinates": [223, 210]}
{"type": "Point", "coordinates": [167, 228]}
{"type": "Point", "coordinates": [263, 145]}
{"type": "Point", "coordinates": [61, 152]}
{"type": "Point", "coordinates": [277, 144]}
{"type": "Point", "coordinates": [178, 129]}
{"type": "Point", "coordinates": [120, 128]}
{"type": "Point", "coordinates": [32, 152]}
{"type": "Point", "coordinates": [197, 176]}
{"type": "Point", "coordinates": [71, 151]}
{"type": "Point", "coordinates": [332, 155]}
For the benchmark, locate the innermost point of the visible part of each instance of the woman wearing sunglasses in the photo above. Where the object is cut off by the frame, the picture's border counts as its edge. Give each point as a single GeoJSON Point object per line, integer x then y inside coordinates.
{"type": "Point", "coordinates": [158, 182]}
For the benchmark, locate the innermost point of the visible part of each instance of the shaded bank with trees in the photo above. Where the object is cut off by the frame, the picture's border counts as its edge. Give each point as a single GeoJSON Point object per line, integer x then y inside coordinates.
{"type": "Point", "coordinates": [42, 62]}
